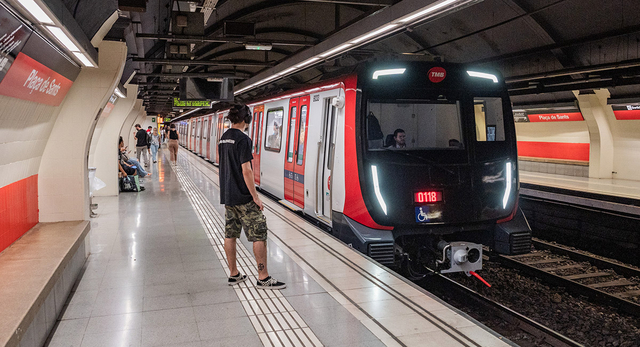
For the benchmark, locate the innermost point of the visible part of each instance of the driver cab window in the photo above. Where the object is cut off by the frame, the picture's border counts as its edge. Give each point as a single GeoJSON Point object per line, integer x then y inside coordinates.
{"type": "Point", "coordinates": [416, 125]}
{"type": "Point", "coordinates": [489, 119]}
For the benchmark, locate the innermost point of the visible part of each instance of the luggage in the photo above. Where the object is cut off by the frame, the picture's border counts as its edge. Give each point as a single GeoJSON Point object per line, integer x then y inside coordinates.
{"type": "Point", "coordinates": [130, 184]}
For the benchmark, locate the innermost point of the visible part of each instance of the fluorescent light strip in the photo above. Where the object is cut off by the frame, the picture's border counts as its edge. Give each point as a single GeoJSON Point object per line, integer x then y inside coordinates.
{"type": "Point", "coordinates": [83, 59]}
{"type": "Point", "coordinates": [387, 72]}
{"type": "Point", "coordinates": [483, 75]}
{"type": "Point", "coordinates": [374, 33]}
{"type": "Point", "coordinates": [428, 10]}
{"type": "Point", "coordinates": [507, 190]}
{"type": "Point", "coordinates": [63, 38]}
{"type": "Point", "coordinates": [376, 187]}
{"type": "Point", "coordinates": [36, 11]}
{"type": "Point", "coordinates": [335, 50]}
{"type": "Point", "coordinates": [285, 71]}
{"type": "Point", "coordinates": [305, 63]}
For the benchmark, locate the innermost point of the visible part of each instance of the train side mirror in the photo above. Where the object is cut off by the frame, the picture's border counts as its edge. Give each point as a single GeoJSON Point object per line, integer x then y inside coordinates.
{"type": "Point", "coordinates": [338, 101]}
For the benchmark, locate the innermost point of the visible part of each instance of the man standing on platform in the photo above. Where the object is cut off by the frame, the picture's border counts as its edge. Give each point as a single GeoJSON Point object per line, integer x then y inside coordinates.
{"type": "Point", "coordinates": [141, 145]}
{"type": "Point", "coordinates": [243, 208]}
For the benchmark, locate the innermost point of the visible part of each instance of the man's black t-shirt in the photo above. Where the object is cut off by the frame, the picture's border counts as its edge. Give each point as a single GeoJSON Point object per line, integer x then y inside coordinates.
{"type": "Point", "coordinates": [234, 149]}
{"type": "Point", "coordinates": [141, 137]}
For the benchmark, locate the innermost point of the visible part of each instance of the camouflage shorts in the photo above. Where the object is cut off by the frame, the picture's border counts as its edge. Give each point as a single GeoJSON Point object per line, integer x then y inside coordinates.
{"type": "Point", "coordinates": [248, 216]}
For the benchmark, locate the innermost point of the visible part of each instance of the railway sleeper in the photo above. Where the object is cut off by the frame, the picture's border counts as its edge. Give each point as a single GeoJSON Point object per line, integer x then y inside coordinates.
{"type": "Point", "coordinates": [616, 283]}
{"type": "Point", "coordinates": [588, 275]}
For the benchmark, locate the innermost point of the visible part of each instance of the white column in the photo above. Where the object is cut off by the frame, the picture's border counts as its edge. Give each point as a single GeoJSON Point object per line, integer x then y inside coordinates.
{"type": "Point", "coordinates": [105, 153]}
{"type": "Point", "coordinates": [127, 126]}
{"type": "Point", "coordinates": [62, 178]}
{"type": "Point", "coordinates": [598, 116]}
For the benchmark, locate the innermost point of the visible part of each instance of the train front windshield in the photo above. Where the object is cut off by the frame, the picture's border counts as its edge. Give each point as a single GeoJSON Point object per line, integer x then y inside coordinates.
{"type": "Point", "coordinates": [414, 125]}
{"type": "Point", "coordinates": [429, 125]}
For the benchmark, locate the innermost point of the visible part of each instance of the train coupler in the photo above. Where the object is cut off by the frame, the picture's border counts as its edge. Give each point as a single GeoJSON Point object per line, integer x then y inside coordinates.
{"type": "Point", "coordinates": [459, 256]}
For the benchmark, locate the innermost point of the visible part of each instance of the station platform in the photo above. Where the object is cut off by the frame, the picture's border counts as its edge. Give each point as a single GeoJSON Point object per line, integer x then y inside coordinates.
{"type": "Point", "coordinates": [608, 194]}
{"type": "Point", "coordinates": [157, 276]}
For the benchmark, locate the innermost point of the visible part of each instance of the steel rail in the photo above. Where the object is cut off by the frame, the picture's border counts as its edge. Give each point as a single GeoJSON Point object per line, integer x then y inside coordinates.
{"type": "Point", "coordinates": [463, 294]}
{"type": "Point", "coordinates": [596, 295]}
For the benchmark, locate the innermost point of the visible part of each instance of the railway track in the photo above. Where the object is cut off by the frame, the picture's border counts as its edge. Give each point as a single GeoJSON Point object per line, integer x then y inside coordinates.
{"type": "Point", "coordinates": [602, 281]}
{"type": "Point", "coordinates": [542, 335]}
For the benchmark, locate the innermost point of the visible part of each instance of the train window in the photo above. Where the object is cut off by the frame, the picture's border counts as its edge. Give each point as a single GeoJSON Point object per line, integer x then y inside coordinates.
{"type": "Point", "coordinates": [273, 140]}
{"type": "Point", "coordinates": [301, 134]}
{"type": "Point", "coordinates": [489, 119]}
{"type": "Point", "coordinates": [259, 125]}
{"type": "Point", "coordinates": [414, 125]}
{"type": "Point", "coordinates": [292, 128]}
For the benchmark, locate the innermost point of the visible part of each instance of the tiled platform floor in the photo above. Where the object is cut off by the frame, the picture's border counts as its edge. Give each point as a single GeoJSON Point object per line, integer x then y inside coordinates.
{"type": "Point", "coordinates": [156, 277]}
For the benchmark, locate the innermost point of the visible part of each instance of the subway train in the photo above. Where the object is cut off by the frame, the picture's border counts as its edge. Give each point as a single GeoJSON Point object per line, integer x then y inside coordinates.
{"type": "Point", "coordinates": [412, 163]}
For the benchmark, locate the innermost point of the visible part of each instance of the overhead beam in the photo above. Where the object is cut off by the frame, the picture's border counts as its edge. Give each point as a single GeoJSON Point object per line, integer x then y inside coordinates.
{"type": "Point", "coordinates": [199, 62]}
{"type": "Point", "coordinates": [203, 39]}
{"type": "Point", "coordinates": [186, 74]}
{"type": "Point", "coordinates": [378, 3]}
{"type": "Point", "coordinates": [163, 84]}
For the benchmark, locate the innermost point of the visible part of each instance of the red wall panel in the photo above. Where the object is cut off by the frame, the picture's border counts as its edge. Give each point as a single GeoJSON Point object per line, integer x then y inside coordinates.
{"type": "Point", "coordinates": [18, 209]}
{"type": "Point", "coordinates": [554, 150]}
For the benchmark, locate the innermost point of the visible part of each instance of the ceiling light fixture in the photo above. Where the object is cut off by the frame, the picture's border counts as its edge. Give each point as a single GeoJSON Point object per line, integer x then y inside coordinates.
{"type": "Point", "coordinates": [434, 7]}
{"type": "Point", "coordinates": [63, 38]}
{"type": "Point", "coordinates": [119, 93]}
{"type": "Point", "coordinates": [335, 50]}
{"type": "Point", "coordinates": [36, 11]}
{"type": "Point", "coordinates": [374, 33]}
{"type": "Point", "coordinates": [258, 47]}
{"type": "Point", "coordinates": [307, 62]}
{"type": "Point", "coordinates": [83, 59]}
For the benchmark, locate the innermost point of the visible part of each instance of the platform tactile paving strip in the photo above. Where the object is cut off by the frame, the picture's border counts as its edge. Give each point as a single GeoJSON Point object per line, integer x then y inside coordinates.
{"type": "Point", "coordinates": [274, 319]}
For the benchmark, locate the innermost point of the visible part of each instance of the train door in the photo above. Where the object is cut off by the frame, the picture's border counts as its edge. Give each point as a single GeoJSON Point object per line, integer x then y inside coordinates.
{"type": "Point", "coordinates": [326, 150]}
{"type": "Point", "coordinates": [213, 144]}
{"type": "Point", "coordinates": [300, 151]}
{"type": "Point", "coordinates": [199, 137]}
{"type": "Point", "coordinates": [289, 176]}
{"type": "Point", "coordinates": [192, 138]}
{"type": "Point", "coordinates": [205, 137]}
{"type": "Point", "coordinates": [256, 128]}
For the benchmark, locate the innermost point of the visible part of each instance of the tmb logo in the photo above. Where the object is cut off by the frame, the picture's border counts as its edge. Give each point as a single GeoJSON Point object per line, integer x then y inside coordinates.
{"type": "Point", "coordinates": [437, 74]}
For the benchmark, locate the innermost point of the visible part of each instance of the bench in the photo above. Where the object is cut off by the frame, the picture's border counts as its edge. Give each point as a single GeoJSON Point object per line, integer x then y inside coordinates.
{"type": "Point", "coordinates": [37, 274]}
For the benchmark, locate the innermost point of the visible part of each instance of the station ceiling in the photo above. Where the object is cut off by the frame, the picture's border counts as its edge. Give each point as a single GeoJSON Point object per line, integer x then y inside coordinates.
{"type": "Point", "coordinates": [544, 48]}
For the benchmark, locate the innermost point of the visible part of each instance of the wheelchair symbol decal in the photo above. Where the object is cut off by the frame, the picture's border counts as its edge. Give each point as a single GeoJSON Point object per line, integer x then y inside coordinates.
{"type": "Point", "coordinates": [421, 214]}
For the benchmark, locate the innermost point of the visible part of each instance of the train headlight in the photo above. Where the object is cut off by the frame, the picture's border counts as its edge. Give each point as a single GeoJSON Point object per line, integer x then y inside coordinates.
{"type": "Point", "coordinates": [507, 189]}
{"type": "Point", "coordinates": [376, 187]}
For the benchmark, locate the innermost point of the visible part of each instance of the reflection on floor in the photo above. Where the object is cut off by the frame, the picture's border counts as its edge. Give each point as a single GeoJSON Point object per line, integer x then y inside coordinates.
{"type": "Point", "coordinates": [613, 187]}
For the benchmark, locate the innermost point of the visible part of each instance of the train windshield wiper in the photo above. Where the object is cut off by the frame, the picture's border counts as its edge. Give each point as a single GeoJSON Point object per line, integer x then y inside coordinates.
{"type": "Point", "coordinates": [425, 160]}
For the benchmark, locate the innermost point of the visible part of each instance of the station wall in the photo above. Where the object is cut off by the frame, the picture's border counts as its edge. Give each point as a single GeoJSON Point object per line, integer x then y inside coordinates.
{"type": "Point", "coordinates": [25, 128]}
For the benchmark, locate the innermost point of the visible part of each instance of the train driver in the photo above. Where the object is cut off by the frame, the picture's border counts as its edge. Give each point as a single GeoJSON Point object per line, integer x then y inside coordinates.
{"type": "Point", "coordinates": [400, 138]}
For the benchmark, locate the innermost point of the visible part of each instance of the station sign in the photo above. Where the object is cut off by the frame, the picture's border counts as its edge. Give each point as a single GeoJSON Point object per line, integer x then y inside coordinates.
{"type": "Point", "coordinates": [555, 117]}
{"type": "Point", "coordinates": [177, 103]}
{"type": "Point", "coordinates": [30, 80]}
{"type": "Point", "coordinates": [628, 112]}
{"type": "Point", "coordinates": [13, 36]}
{"type": "Point", "coordinates": [30, 67]}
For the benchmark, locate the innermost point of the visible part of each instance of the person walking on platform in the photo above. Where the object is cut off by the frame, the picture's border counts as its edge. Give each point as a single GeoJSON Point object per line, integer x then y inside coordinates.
{"type": "Point", "coordinates": [141, 144]}
{"type": "Point", "coordinates": [173, 144]}
{"type": "Point", "coordinates": [155, 143]}
{"type": "Point", "coordinates": [243, 208]}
